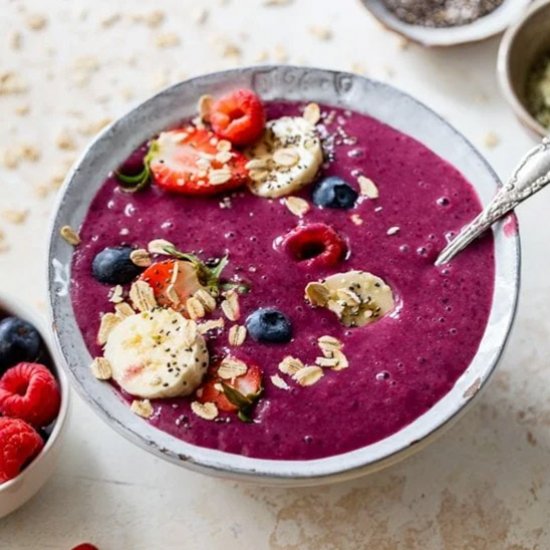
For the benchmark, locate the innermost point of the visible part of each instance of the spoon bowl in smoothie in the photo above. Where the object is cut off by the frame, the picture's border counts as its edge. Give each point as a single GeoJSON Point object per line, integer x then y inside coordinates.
{"type": "Point", "coordinates": [264, 304]}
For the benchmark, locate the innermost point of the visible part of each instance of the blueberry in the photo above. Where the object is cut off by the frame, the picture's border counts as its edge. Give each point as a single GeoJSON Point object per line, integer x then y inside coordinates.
{"type": "Point", "coordinates": [269, 325]}
{"type": "Point", "coordinates": [19, 341]}
{"type": "Point", "coordinates": [46, 431]}
{"type": "Point", "coordinates": [113, 266]}
{"type": "Point", "coordinates": [334, 192]}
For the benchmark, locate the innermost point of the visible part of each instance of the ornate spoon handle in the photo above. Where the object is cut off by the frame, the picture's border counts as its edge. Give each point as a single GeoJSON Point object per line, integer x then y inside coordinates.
{"type": "Point", "coordinates": [532, 174]}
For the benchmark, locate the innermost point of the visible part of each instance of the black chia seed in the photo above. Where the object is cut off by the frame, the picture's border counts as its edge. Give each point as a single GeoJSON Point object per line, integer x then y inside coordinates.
{"type": "Point", "coordinates": [441, 13]}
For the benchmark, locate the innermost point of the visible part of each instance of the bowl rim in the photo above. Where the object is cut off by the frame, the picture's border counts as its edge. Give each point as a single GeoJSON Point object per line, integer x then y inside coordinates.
{"type": "Point", "coordinates": [445, 37]}
{"type": "Point", "coordinates": [11, 306]}
{"type": "Point", "coordinates": [266, 471]}
{"type": "Point", "coordinates": [503, 69]}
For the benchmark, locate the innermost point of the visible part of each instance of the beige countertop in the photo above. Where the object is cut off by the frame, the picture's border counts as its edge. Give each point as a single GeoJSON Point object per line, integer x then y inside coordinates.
{"type": "Point", "coordinates": [68, 67]}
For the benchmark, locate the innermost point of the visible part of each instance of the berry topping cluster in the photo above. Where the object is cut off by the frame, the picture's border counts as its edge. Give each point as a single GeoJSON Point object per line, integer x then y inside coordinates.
{"type": "Point", "coordinates": [29, 396]}
{"type": "Point", "coordinates": [169, 305]}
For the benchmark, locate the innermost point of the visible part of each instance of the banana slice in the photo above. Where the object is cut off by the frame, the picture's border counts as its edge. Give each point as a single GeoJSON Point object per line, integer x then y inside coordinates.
{"type": "Point", "coordinates": [286, 158]}
{"type": "Point", "coordinates": [356, 297]}
{"type": "Point", "coordinates": [156, 354]}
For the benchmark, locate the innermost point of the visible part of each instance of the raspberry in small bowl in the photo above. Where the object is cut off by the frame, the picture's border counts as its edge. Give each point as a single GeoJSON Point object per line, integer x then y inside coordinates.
{"type": "Point", "coordinates": [34, 399]}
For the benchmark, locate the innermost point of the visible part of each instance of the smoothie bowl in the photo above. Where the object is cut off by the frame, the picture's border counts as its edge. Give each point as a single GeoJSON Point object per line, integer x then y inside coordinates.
{"type": "Point", "coordinates": [242, 279]}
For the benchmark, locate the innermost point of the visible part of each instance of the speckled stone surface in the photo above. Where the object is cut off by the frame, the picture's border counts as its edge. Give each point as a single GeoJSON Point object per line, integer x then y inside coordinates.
{"type": "Point", "coordinates": [483, 485]}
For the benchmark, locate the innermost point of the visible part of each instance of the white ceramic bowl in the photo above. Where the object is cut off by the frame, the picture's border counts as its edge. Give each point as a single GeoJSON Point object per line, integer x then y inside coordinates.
{"type": "Point", "coordinates": [383, 102]}
{"type": "Point", "coordinates": [17, 491]}
{"type": "Point", "coordinates": [521, 46]}
{"type": "Point", "coordinates": [485, 27]}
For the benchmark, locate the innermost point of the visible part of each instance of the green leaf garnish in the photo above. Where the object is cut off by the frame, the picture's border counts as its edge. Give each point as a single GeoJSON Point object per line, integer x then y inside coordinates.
{"type": "Point", "coordinates": [235, 397]}
{"type": "Point", "coordinates": [216, 271]}
{"type": "Point", "coordinates": [208, 276]}
{"type": "Point", "coordinates": [241, 288]}
{"type": "Point", "coordinates": [135, 182]}
{"type": "Point", "coordinates": [185, 256]}
{"type": "Point", "coordinates": [245, 403]}
{"type": "Point", "coordinates": [244, 417]}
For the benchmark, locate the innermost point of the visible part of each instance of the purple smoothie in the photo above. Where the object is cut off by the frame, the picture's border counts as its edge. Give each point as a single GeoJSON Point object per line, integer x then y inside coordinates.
{"type": "Point", "coordinates": [400, 366]}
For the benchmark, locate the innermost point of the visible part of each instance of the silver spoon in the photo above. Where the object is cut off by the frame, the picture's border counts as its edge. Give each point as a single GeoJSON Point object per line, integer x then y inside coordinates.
{"type": "Point", "coordinates": [531, 175]}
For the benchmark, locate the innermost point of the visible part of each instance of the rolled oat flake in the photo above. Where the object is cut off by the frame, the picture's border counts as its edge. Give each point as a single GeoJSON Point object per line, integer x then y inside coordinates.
{"type": "Point", "coordinates": [441, 13]}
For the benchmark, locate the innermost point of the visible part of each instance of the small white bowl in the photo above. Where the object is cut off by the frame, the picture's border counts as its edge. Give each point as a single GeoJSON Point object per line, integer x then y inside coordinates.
{"type": "Point", "coordinates": [484, 27]}
{"type": "Point", "coordinates": [520, 47]}
{"type": "Point", "coordinates": [17, 491]}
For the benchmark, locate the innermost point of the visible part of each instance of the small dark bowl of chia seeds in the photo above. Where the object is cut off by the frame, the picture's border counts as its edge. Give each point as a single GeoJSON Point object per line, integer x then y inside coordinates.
{"type": "Point", "coordinates": [524, 68]}
{"type": "Point", "coordinates": [446, 22]}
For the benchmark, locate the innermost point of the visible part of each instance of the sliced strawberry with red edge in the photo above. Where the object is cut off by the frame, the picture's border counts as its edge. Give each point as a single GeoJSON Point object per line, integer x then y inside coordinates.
{"type": "Point", "coordinates": [160, 277]}
{"type": "Point", "coordinates": [315, 245]}
{"type": "Point", "coordinates": [238, 117]}
{"type": "Point", "coordinates": [238, 394]}
{"type": "Point", "coordinates": [175, 280]}
{"type": "Point", "coordinates": [190, 161]}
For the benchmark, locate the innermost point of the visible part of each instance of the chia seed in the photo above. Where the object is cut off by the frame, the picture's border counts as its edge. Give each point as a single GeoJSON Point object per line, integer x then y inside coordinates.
{"type": "Point", "coordinates": [441, 13]}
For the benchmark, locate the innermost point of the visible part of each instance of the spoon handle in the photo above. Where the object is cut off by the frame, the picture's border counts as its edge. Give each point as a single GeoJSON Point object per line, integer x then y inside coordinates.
{"type": "Point", "coordinates": [531, 175]}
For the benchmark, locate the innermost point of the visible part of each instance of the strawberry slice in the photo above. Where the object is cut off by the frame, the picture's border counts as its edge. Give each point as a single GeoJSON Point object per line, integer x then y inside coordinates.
{"type": "Point", "coordinates": [191, 161]}
{"type": "Point", "coordinates": [238, 117]}
{"type": "Point", "coordinates": [166, 285]}
{"type": "Point", "coordinates": [176, 279]}
{"type": "Point", "coordinates": [237, 394]}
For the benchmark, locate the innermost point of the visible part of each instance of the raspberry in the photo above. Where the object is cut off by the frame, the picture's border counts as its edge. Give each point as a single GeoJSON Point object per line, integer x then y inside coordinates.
{"type": "Point", "coordinates": [19, 444]}
{"type": "Point", "coordinates": [315, 245]}
{"type": "Point", "coordinates": [30, 392]}
{"type": "Point", "coordinates": [238, 117]}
